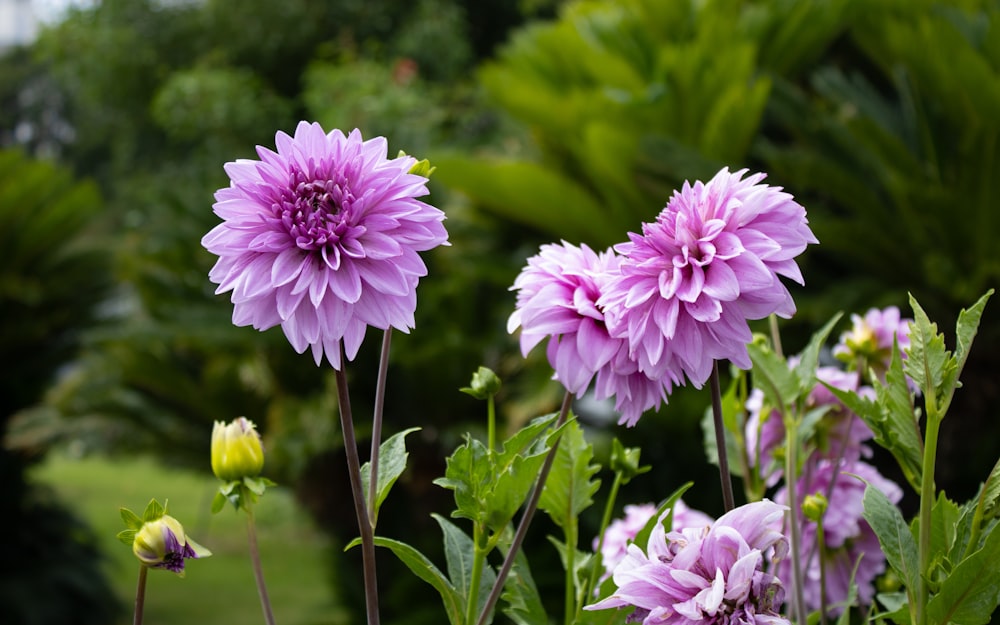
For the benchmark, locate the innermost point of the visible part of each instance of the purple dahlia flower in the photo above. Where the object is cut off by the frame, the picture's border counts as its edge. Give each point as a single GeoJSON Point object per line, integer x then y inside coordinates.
{"type": "Point", "coordinates": [710, 575]}
{"type": "Point", "coordinates": [321, 237]}
{"type": "Point", "coordinates": [848, 539]}
{"type": "Point", "coordinates": [623, 531]}
{"type": "Point", "coordinates": [557, 299]}
{"type": "Point", "coordinates": [709, 262]}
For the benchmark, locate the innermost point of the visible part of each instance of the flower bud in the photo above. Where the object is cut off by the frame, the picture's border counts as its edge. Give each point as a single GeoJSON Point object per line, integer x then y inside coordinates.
{"type": "Point", "coordinates": [162, 544]}
{"type": "Point", "coordinates": [236, 450]}
{"type": "Point", "coordinates": [814, 506]}
{"type": "Point", "coordinates": [484, 384]}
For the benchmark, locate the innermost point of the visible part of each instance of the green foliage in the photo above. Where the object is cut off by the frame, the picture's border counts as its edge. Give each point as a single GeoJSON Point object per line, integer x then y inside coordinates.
{"type": "Point", "coordinates": [392, 462]}
{"type": "Point", "coordinates": [570, 486]}
{"type": "Point", "coordinates": [898, 543]}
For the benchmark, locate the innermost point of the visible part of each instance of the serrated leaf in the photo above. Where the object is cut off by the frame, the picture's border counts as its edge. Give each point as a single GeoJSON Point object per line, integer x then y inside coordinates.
{"type": "Point", "coordinates": [944, 519]}
{"type": "Point", "coordinates": [153, 511]}
{"type": "Point", "coordinates": [459, 553]}
{"type": "Point", "coordinates": [989, 494]}
{"type": "Point", "coordinates": [780, 384]}
{"type": "Point", "coordinates": [468, 474]}
{"type": "Point", "coordinates": [423, 568]}
{"type": "Point", "coordinates": [970, 594]}
{"type": "Point", "coordinates": [131, 519]}
{"type": "Point", "coordinates": [392, 462]}
{"type": "Point", "coordinates": [894, 536]}
{"type": "Point", "coordinates": [928, 363]}
{"type": "Point", "coordinates": [966, 328]}
{"type": "Point", "coordinates": [524, 604]}
{"type": "Point", "coordinates": [570, 486]}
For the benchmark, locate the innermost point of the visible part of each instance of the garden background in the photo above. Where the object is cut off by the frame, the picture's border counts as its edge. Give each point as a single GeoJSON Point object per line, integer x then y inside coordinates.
{"type": "Point", "coordinates": [546, 120]}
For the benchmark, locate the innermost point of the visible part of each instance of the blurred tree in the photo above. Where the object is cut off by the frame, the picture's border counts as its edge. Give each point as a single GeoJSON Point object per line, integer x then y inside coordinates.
{"type": "Point", "coordinates": [52, 284]}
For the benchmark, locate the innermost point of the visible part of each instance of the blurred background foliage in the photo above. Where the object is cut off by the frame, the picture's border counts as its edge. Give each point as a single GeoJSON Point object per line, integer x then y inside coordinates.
{"type": "Point", "coordinates": [546, 120]}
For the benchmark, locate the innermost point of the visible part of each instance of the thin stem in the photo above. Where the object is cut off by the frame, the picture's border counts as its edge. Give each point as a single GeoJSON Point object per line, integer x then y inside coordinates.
{"type": "Point", "coordinates": [791, 478]}
{"type": "Point", "coordinates": [258, 571]}
{"type": "Point", "coordinates": [821, 542]}
{"type": "Point", "coordinates": [605, 521]}
{"type": "Point", "coordinates": [569, 596]}
{"type": "Point", "coordinates": [772, 322]}
{"type": "Point", "coordinates": [529, 512]}
{"type": "Point", "coordinates": [383, 366]}
{"type": "Point", "coordinates": [926, 503]}
{"type": "Point", "coordinates": [491, 422]}
{"type": "Point", "coordinates": [478, 559]}
{"type": "Point", "coordinates": [728, 500]}
{"type": "Point", "coordinates": [357, 490]}
{"type": "Point", "coordinates": [140, 595]}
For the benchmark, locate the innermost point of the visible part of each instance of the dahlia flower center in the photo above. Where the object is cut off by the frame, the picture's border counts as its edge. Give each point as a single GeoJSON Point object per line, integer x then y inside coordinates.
{"type": "Point", "coordinates": [315, 211]}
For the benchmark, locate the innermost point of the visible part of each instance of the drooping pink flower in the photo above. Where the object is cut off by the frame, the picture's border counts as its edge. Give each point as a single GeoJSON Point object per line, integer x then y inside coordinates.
{"type": "Point", "coordinates": [848, 539]}
{"type": "Point", "coordinates": [623, 531]}
{"type": "Point", "coordinates": [710, 262]}
{"type": "Point", "coordinates": [713, 575]}
{"type": "Point", "coordinates": [869, 342]}
{"type": "Point", "coordinates": [557, 293]}
{"type": "Point", "coordinates": [322, 237]}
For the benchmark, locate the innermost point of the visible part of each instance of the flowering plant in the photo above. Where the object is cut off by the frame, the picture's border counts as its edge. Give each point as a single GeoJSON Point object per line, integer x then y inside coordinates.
{"type": "Point", "coordinates": [322, 238]}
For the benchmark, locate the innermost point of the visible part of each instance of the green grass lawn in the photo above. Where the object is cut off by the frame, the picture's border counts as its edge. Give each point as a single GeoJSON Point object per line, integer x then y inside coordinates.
{"type": "Point", "coordinates": [219, 589]}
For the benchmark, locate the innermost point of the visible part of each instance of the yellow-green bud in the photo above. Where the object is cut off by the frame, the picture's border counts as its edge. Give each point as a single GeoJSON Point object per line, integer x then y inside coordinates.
{"type": "Point", "coordinates": [236, 450]}
{"type": "Point", "coordinates": [162, 544]}
{"type": "Point", "coordinates": [484, 384]}
{"type": "Point", "coordinates": [814, 506]}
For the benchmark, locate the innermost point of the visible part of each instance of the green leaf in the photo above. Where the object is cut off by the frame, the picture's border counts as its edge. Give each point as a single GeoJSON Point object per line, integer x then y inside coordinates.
{"type": "Point", "coordinates": [524, 604]}
{"type": "Point", "coordinates": [945, 515]}
{"type": "Point", "coordinates": [809, 360]}
{"type": "Point", "coordinates": [570, 486]}
{"type": "Point", "coordinates": [126, 536]}
{"type": "Point", "coordinates": [153, 511]}
{"type": "Point", "coordinates": [897, 608]}
{"type": "Point", "coordinates": [131, 519]}
{"type": "Point", "coordinates": [929, 364]}
{"type": "Point", "coordinates": [256, 485]}
{"type": "Point", "coordinates": [392, 462]}
{"type": "Point", "coordinates": [423, 568]}
{"type": "Point", "coordinates": [218, 502]}
{"type": "Point", "coordinates": [989, 494]}
{"type": "Point", "coordinates": [459, 553]}
{"type": "Point", "coordinates": [780, 384]}
{"type": "Point", "coordinates": [626, 461]}
{"type": "Point", "coordinates": [966, 328]}
{"type": "Point", "coordinates": [894, 536]}
{"type": "Point", "coordinates": [971, 593]}
{"type": "Point", "coordinates": [731, 409]}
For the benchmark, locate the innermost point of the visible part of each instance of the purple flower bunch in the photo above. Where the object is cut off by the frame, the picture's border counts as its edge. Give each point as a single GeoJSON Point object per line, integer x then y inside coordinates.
{"type": "Point", "coordinates": [661, 308]}
{"type": "Point", "coordinates": [714, 574]}
{"type": "Point", "coordinates": [322, 238]}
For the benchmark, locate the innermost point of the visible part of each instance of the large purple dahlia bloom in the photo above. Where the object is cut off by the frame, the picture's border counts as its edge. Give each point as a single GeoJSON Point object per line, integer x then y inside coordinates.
{"type": "Point", "coordinates": [557, 294]}
{"type": "Point", "coordinates": [321, 237]}
{"type": "Point", "coordinates": [708, 575]}
{"type": "Point", "coordinates": [710, 261]}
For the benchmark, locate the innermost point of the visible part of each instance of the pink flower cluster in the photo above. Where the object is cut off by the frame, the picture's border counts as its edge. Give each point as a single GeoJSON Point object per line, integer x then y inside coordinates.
{"type": "Point", "coordinates": [714, 574]}
{"type": "Point", "coordinates": [661, 308]}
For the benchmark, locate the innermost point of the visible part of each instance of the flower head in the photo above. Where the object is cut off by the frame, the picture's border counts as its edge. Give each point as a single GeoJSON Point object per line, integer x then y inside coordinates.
{"type": "Point", "coordinates": [557, 299]}
{"type": "Point", "coordinates": [621, 532]}
{"type": "Point", "coordinates": [869, 342]}
{"type": "Point", "coordinates": [236, 450]}
{"type": "Point", "coordinates": [714, 575]}
{"type": "Point", "coordinates": [158, 539]}
{"type": "Point", "coordinates": [710, 261]}
{"type": "Point", "coordinates": [321, 237]}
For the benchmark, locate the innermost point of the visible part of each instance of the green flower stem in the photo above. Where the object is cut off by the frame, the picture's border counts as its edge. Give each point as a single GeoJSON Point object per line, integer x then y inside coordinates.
{"type": "Point", "coordinates": [491, 423]}
{"type": "Point", "coordinates": [357, 490]}
{"type": "Point", "coordinates": [728, 499]}
{"type": "Point", "coordinates": [140, 595]}
{"type": "Point", "coordinates": [258, 571]}
{"type": "Point", "coordinates": [569, 597]}
{"type": "Point", "coordinates": [926, 503]}
{"type": "Point", "coordinates": [383, 366]}
{"type": "Point", "coordinates": [605, 521]}
{"type": "Point", "coordinates": [791, 477]}
{"type": "Point", "coordinates": [529, 512]}
{"type": "Point", "coordinates": [821, 547]}
{"type": "Point", "coordinates": [478, 560]}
